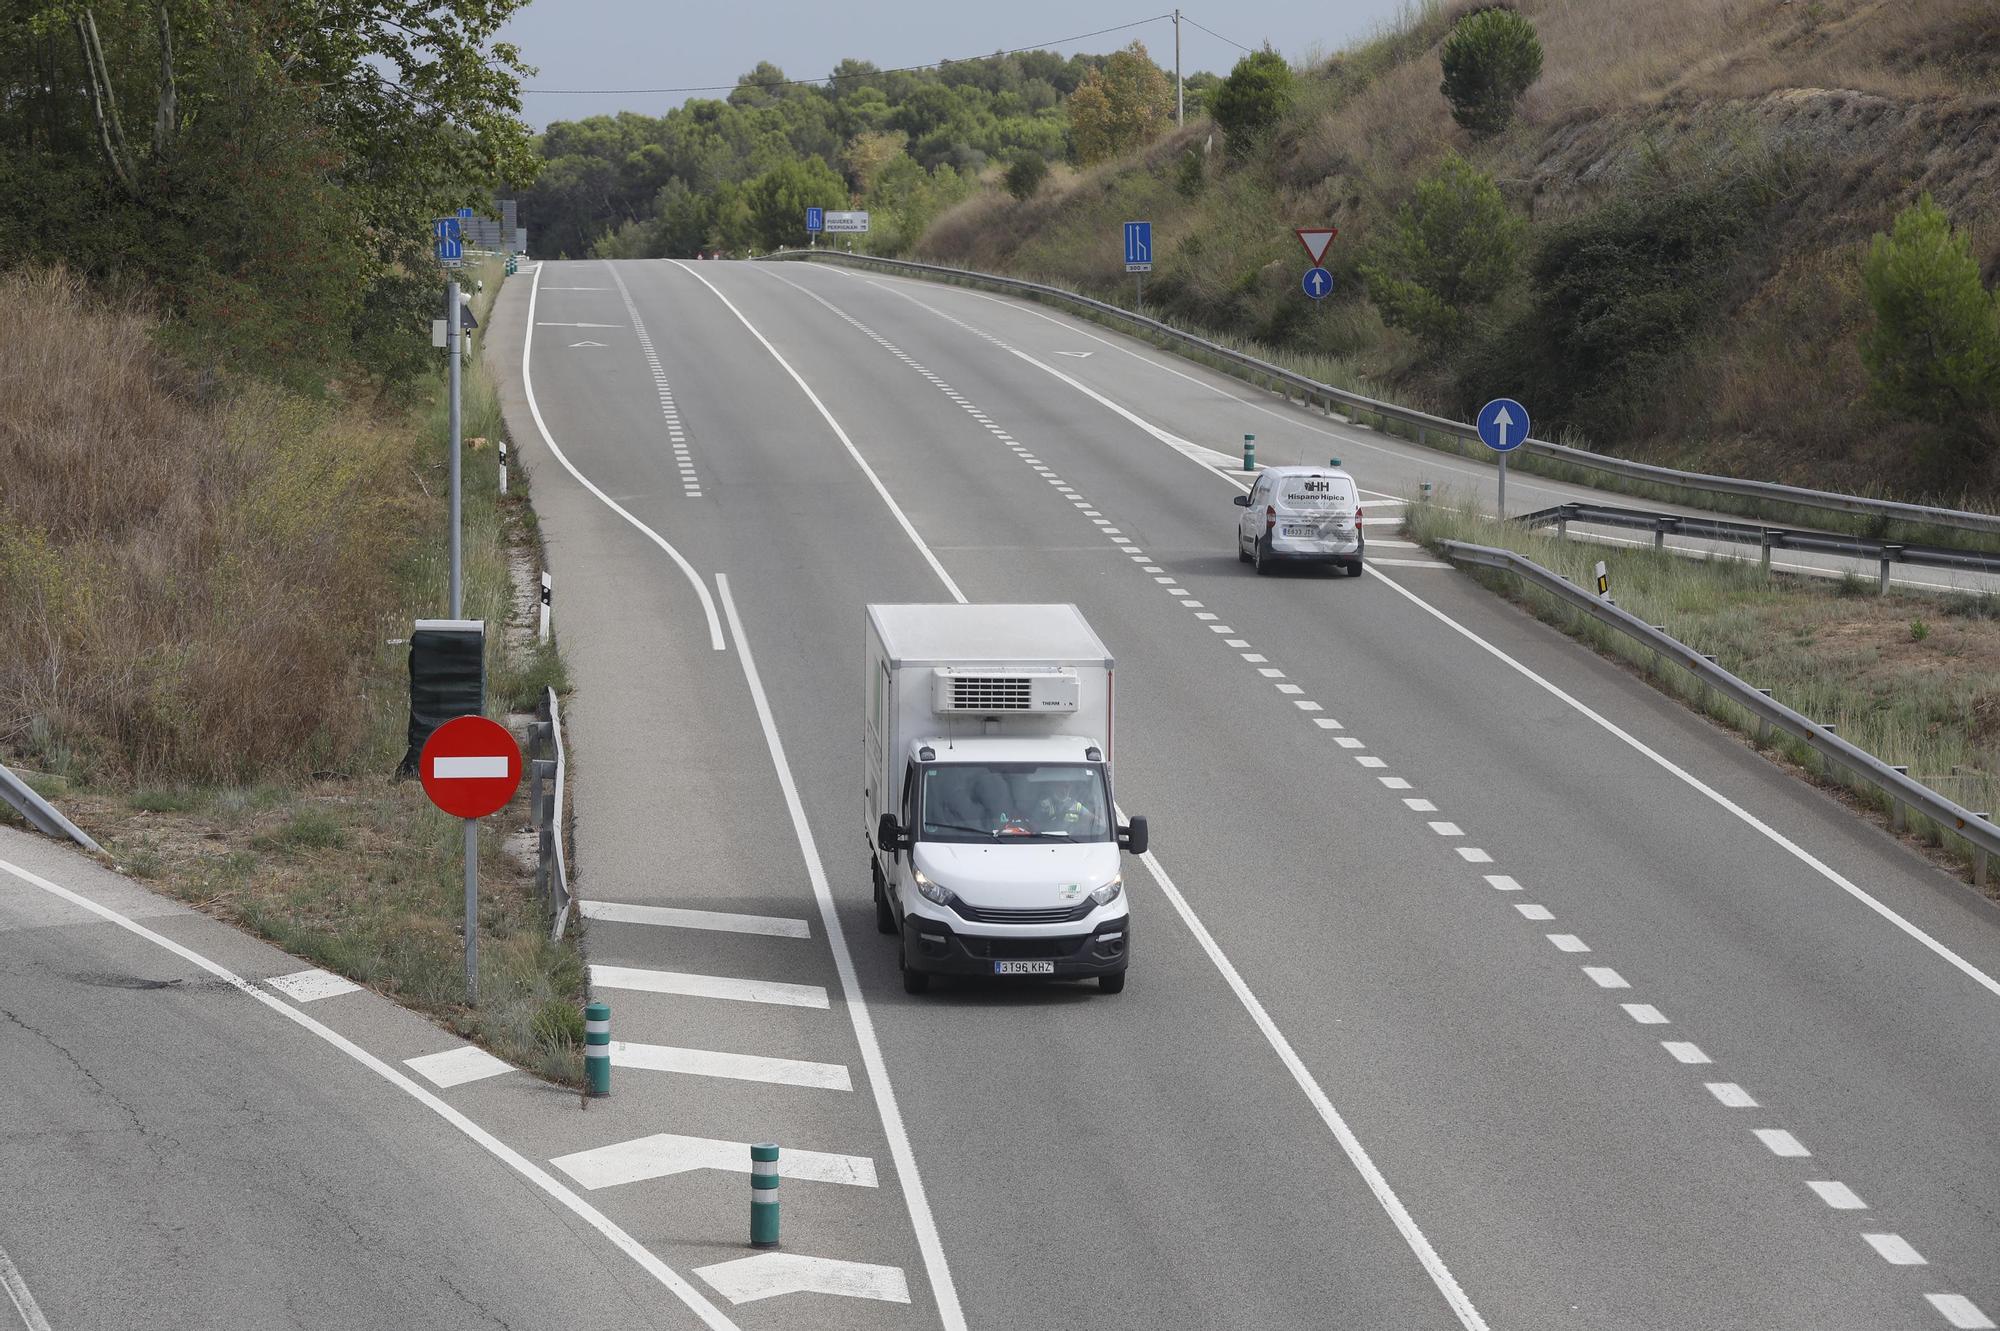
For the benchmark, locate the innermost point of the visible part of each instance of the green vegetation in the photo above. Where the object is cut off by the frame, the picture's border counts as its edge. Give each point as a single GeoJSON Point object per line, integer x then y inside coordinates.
{"type": "Point", "coordinates": [1454, 249]}
{"type": "Point", "coordinates": [1250, 101]}
{"type": "Point", "coordinates": [1026, 174]}
{"type": "Point", "coordinates": [1491, 57]}
{"type": "Point", "coordinates": [1120, 106]}
{"type": "Point", "coordinates": [1916, 692]}
{"type": "Point", "coordinates": [1934, 350]}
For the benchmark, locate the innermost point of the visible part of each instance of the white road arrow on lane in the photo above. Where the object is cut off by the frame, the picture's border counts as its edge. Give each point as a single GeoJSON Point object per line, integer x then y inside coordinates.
{"type": "Point", "coordinates": [1080, 355]}
{"type": "Point", "coordinates": [664, 1154]}
{"type": "Point", "coordinates": [589, 344]}
{"type": "Point", "coordinates": [770, 1274]}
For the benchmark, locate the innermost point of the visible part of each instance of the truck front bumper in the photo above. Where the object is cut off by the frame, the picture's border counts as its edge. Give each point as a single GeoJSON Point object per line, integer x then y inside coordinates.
{"type": "Point", "coordinates": [938, 949]}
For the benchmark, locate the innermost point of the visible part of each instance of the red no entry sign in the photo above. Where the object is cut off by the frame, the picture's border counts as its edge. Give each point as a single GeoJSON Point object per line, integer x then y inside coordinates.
{"type": "Point", "coordinates": [470, 767]}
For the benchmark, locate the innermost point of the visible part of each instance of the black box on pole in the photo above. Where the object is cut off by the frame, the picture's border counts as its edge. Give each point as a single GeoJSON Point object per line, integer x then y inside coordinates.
{"type": "Point", "coordinates": [447, 679]}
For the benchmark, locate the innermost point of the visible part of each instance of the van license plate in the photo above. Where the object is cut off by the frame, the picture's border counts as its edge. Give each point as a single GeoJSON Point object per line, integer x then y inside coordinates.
{"type": "Point", "coordinates": [1308, 533]}
{"type": "Point", "coordinates": [1024, 968]}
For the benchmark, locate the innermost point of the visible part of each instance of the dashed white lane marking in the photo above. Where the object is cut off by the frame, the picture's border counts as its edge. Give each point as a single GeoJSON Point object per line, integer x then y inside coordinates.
{"type": "Point", "coordinates": [736, 1067]}
{"type": "Point", "coordinates": [1960, 1311]}
{"type": "Point", "coordinates": [708, 986]}
{"type": "Point", "coordinates": [690, 483]}
{"type": "Point", "coordinates": [18, 1295]}
{"type": "Point", "coordinates": [555, 450]}
{"type": "Point", "coordinates": [1394, 782]}
{"type": "Point", "coordinates": [1474, 855]}
{"type": "Point", "coordinates": [1367, 760]}
{"type": "Point", "coordinates": [1447, 829]}
{"type": "Point", "coordinates": [1781, 1143]}
{"type": "Point", "coordinates": [1895, 1250]}
{"type": "Point", "coordinates": [1326, 723]}
{"type": "Point", "coordinates": [455, 1067]}
{"type": "Point", "coordinates": [1732, 1096]}
{"type": "Point", "coordinates": [1407, 563]}
{"type": "Point", "coordinates": [774, 926]}
{"type": "Point", "coordinates": [1500, 882]}
{"type": "Point", "coordinates": [1645, 1014]}
{"type": "Point", "coordinates": [770, 1274]}
{"type": "Point", "coordinates": [312, 985]}
{"type": "Point", "coordinates": [1533, 911]}
{"type": "Point", "coordinates": [1606, 978]}
{"type": "Point", "coordinates": [665, 1154]}
{"type": "Point", "coordinates": [1837, 1195]}
{"type": "Point", "coordinates": [1568, 943]}
{"type": "Point", "coordinates": [1417, 805]}
{"type": "Point", "coordinates": [1685, 1051]}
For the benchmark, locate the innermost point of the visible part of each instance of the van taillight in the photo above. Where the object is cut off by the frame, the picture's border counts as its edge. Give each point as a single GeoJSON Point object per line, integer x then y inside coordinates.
{"type": "Point", "coordinates": [1357, 515]}
{"type": "Point", "coordinates": [1270, 519]}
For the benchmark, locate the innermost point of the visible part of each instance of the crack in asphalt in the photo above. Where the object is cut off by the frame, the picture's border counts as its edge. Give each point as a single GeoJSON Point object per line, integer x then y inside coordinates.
{"type": "Point", "coordinates": [156, 1143]}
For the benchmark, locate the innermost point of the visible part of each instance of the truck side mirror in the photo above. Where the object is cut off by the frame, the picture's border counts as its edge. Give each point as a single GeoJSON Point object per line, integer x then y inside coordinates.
{"type": "Point", "coordinates": [1242, 501]}
{"type": "Point", "coordinates": [888, 835]}
{"type": "Point", "coordinates": [1133, 837]}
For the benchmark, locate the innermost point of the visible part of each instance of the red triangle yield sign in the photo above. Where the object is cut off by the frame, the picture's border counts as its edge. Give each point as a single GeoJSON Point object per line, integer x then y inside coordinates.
{"type": "Point", "coordinates": [1316, 239]}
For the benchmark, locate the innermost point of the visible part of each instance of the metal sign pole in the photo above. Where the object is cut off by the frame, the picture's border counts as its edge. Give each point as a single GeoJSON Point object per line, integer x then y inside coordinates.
{"type": "Point", "coordinates": [472, 912]}
{"type": "Point", "coordinates": [1503, 487]}
{"type": "Point", "coordinates": [452, 321]}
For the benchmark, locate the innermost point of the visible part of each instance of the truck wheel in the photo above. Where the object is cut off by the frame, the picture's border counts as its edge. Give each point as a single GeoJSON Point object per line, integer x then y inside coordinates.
{"type": "Point", "coordinates": [885, 919]}
{"type": "Point", "coordinates": [1112, 984]}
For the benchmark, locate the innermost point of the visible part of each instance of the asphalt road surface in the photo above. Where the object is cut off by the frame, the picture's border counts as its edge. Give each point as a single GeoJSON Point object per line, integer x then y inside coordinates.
{"type": "Point", "coordinates": [1475, 983]}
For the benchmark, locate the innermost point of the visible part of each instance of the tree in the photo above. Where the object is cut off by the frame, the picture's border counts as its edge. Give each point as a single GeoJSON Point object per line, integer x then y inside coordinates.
{"type": "Point", "coordinates": [1119, 107]}
{"type": "Point", "coordinates": [1450, 252]}
{"type": "Point", "coordinates": [1249, 102]}
{"type": "Point", "coordinates": [1026, 174]}
{"type": "Point", "coordinates": [778, 199]}
{"type": "Point", "coordinates": [868, 153]}
{"type": "Point", "coordinates": [1490, 58]}
{"type": "Point", "coordinates": [1934, 351]}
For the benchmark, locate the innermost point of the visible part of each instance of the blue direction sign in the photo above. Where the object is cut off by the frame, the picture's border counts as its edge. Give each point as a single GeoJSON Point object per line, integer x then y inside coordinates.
{"type": "Point", "coordinates": [815, 219]}
{"type": "Point", "coordinates": [450, 249]}
{"type": "Point", "coordinates": [1138, 247]}
{"type": "Point", "coordinates": [447, 228]}
{"type": "Point", "coordinates": [465, 212]}
{"type": "Point", "coordinates": [1318, 283]}
{"type": "Point", "coordinates": [1503, 424]}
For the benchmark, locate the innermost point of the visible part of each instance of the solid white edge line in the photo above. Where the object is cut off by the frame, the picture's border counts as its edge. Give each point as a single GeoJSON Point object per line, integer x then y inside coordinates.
{"type": "Point", "coordinates": [18, 1295]}
{"type": "Point", "coordinates": [1399, 1215]}
{"type": "Point", "coordinates": [710, 1315]}
{"type": "Point", "coordinates": [535, 410]}
{"type": "Point", "coordinates": [1350, 1145]}
{"type": "Point", "coordinates": [839, 433]}
{"type": "Point", "coordinates": [942, 1287]}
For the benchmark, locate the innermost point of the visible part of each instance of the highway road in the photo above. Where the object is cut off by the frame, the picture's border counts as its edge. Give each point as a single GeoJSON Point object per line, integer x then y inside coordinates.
{"type": "Point", "coordinates": [1475, 984]}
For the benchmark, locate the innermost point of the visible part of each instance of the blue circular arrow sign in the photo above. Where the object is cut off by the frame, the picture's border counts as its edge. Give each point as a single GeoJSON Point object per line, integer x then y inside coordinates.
{"type": "Point", "coordinates": [1317, 283]}
{"type": "Point", "coordinates": [1503, 424]}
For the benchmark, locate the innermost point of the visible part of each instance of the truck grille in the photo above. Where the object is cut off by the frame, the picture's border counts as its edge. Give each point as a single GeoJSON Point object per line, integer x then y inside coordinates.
{"type": "Point", "coordinates": [1051, 915]}
{"type": "Point", "coordinates": [991, 693]}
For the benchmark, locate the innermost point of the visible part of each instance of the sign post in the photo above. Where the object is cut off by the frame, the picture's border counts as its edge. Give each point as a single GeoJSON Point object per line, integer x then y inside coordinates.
{"type": "Point", "coordinates": [450, 252]}
{"type": "Point", "coordinates": [1139, 256]}
{"type": "Point", "coordinates": [1503, 426]}
{"type": "Point", "coordinates": [471, 767]}
{"type": "Point", "coordinates": [815, 223]}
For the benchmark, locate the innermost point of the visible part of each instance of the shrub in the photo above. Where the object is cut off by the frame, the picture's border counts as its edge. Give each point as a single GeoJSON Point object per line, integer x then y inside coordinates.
{"type": "Point", "coordinates": [1119, 107]}
{"type": "Point", "coordinates": [1450, 253]}
{"type": "Point", "coordinates": [1026, 174]}
{"type": "Point", "coordinates": [1491, 57]}
{"type": "Point", "coordinates": [1251, 99]}
{"type": "Point", "coordinates": [1934, 351]}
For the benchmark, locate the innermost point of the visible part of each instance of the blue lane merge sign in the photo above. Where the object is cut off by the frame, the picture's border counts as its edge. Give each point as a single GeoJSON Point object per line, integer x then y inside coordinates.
{"type": "Point", "coordinates": [448, 228]}
{"type": "Point", "coordinates": [1503, 424]}
{"type": "Point", "coordinates": [450, 249]}
{"type": "Point", "coordinates": [815, 219]}
{"type": "Point", "coordinates": [465, 212]}
{"type": "Point", "coordinates": [1317, 283]}
{"type": "Point", "coordinates": [1138, 247]}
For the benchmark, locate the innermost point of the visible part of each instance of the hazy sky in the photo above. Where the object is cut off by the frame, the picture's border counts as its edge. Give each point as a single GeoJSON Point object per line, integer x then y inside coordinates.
{"type": "Point", "coordinates": [648, 44]}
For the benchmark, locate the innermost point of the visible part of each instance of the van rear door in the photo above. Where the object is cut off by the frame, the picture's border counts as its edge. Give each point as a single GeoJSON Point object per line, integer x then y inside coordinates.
{"type": "Point", "coordinates": [1317, 506]}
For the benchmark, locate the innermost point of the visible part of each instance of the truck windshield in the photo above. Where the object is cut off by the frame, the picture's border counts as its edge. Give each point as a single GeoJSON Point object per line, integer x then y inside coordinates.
{"type": "Point", "coordinates": [1013, 801]}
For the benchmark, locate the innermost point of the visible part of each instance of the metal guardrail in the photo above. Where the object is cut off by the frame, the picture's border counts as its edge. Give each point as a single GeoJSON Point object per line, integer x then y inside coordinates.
{"type": "Point", "coordinates": [1663, 525]}
{"type": "Point", "coordinates": [546, 776]}
{"type": "Point", "coordinates": [1897, 786]}
{"type": "Point", "coordinates": [1425, 423]}
{"type": "Point", "coordinates": [43, 816]}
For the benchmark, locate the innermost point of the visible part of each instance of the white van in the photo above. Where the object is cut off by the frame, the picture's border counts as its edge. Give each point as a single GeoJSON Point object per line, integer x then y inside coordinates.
{"type": "Point", "coordinates": [1307, 514]}
{"type": "Point", "coordinates": [987, 804]}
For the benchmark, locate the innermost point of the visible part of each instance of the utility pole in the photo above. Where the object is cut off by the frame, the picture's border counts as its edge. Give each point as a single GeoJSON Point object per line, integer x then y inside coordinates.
{"type": "Point", "coordinates": [1180, 97]}
{"type": "Point", "coordinates": [453, 322]}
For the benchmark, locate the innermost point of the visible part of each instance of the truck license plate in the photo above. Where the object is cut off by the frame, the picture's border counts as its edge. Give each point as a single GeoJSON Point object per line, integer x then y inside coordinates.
{"type": "Point", "coordinates": [1024, 968]}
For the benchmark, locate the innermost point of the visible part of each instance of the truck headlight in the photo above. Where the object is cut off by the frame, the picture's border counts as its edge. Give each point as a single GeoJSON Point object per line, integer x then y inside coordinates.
{"type": "Point", "coordinates": [932, 891]}
{"type": "Point", "coordinates": [1110, 892]}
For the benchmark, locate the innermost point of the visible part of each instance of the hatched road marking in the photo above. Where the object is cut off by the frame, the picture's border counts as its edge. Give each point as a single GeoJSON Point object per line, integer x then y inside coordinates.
{"type": "Point", "coordinates": [674, 917]}
{"type": "Point", "coordinates": [708, 986]}
{"type": "Point", "coordinates": [665, 1154]}
{"type": "Point", "coordinates": [455, 1067]}
{"type": "Point", "coordinates": [738, 1067]}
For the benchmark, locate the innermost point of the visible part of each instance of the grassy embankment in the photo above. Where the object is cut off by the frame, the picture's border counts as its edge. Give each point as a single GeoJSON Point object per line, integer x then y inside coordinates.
{"type": "Point", "coordinates": [1740, 156]}
{"type": "Point", "coordinates": [201, 582]}
{"type": "Point", "coordinates": [1913, 679]}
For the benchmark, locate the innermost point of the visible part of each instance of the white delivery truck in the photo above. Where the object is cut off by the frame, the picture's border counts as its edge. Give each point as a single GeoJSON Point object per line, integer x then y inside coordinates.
{"type": "Point", "coordinates": [987, 793]}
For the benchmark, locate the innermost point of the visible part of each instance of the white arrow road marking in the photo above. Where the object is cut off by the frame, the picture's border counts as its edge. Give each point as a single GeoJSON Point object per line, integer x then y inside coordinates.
{"type": "Point", "coordinates": [1080, 355]}
{"type": "Point", "coordinates": [664, 1154]}
{"type": "Point", "coordinates": [590, 344]}
{"type": "Point", "coordinates": [468, 768]}
{"type": "Point", "coordinates": [546, 323]}
{"type": "Point", "coordinates": [770, 1274]}
{"type": "Point", "coordinates": [311, 986]}
{"type": "Point", "coordinates": [708, 986]}
{"type": "Point", "coordinates": [723, 921]}
{"type": "Point", "coordinates": [740, 1067]}
{"type": "Point", "coordinates": [455, 1067]}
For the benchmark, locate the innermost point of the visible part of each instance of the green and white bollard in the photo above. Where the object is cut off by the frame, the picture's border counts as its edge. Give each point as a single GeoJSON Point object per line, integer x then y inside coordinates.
{"type": "Point", "coordinates": [764, 1195]}
{"type": "Point", "coordinates": [597, 1048]}
{"type": "Point", "coordinates": [1427, 492]}
{"type": "Point", "coordinates": [1249, 452]}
